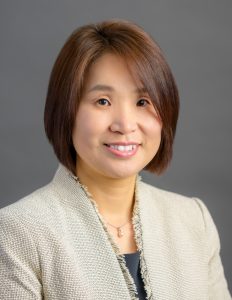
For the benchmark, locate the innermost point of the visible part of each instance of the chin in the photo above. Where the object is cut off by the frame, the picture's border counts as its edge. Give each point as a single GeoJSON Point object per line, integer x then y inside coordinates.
{"type": "Point", "coordinates": [120, 173]}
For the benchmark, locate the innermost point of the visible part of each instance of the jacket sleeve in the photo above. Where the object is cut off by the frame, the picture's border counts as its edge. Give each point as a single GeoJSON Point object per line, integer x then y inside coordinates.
{"type": "Point", "coordinates": [218, 288]}
{"type": "Point", "coordinates": [19, 263]}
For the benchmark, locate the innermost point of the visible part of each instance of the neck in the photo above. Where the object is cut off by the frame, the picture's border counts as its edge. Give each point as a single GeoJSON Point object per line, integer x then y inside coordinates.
{"type": "Point", "coordinates": [114, 196]}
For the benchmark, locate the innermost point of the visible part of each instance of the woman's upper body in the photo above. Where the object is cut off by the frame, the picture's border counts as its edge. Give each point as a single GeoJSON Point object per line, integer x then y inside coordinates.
{"type": "Point", "coordinates": [54, 245]}
{"type": "Point", "coordinates": [111, 111]}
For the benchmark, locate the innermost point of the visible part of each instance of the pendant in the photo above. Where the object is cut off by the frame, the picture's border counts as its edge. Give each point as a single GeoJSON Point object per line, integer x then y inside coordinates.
{"type": "Point", "coordinates": [120, 233]}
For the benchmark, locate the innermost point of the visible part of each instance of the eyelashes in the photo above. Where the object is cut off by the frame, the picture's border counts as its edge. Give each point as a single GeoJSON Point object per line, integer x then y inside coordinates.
{"type": "Point", "coordinates": [141, 102]}
{"type": "Point", "coordinates": [103, 102]}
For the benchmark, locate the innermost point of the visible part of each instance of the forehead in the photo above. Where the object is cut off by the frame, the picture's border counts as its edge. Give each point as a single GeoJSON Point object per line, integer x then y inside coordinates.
{"type": "Point", "coordinates": [111, 71]}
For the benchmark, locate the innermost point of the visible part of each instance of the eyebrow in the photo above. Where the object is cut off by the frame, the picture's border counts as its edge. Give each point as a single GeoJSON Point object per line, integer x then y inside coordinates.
{"type": "Point", "coordinates": [101, 87]}
{"type": "Point", "coordinates": [108, 88]}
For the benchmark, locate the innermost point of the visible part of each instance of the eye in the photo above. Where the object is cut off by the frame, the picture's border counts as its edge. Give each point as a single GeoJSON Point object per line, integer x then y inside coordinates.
{"type": "Point", "coordinates": [143, 102]}
{"type": "Point", "coordinates": [103, 102]}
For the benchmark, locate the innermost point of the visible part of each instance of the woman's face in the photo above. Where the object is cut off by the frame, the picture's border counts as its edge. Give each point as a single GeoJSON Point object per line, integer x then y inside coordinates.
{"type": "Point", "coordinates": [117, 131]}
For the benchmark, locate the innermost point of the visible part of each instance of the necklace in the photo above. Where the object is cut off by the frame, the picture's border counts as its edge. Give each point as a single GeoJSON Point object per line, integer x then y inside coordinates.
{"type": "Point", "coordinates": [120, 232]}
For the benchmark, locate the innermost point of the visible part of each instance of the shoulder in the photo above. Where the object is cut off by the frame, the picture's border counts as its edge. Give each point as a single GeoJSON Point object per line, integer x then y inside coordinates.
{"type": "Point", "coordinates": [176, 207]}
{"type": "Point", "coordinates": [179, 213]}
{"type": "Point", "coordinates": [26, 227]}
{"type": "Point", "coordinates": [32, 208]}
{"type": "Point", "coordinates": [165, 197]}
{"type": "Point", "coordinates": [31, 224]}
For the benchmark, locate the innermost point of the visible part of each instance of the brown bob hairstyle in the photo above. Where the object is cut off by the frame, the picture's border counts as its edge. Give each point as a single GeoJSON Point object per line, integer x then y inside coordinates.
{"type": "Point", "coordinates": [145, 61]}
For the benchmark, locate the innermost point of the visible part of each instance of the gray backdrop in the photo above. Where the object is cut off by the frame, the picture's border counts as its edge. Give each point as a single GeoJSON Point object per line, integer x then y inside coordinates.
{"type": "Point", "coordinates": [196, 38]}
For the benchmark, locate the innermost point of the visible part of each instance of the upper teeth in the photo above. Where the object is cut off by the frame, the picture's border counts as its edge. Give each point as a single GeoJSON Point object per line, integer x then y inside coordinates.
{"type": "Point", "coordinates": [123, 148]}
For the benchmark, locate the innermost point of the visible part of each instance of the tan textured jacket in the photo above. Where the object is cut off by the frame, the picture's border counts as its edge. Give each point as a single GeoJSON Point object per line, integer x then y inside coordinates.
{"type": "Point", "coordinates": [54, 246]}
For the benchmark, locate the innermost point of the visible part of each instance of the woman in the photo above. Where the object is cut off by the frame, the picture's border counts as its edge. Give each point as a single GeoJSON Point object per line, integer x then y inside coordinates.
{"type": "Point", "coordinates": [96, 231]}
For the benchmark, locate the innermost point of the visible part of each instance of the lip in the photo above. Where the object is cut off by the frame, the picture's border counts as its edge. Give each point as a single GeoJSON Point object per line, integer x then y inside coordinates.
{"type": "Point", "coordinates": [123, 143]}
{"type": "Point", "coordinates": [122, 154]}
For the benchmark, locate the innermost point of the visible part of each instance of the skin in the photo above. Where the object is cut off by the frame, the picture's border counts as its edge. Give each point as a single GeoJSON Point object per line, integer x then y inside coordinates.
{"type": "Point", "coordinates": [118, 113]}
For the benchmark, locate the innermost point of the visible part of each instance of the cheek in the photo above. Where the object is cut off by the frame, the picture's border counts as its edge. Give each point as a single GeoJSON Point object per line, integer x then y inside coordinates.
{"type": "Point", "coordinates": [153, 128]}
{"type": "Point", "coordinates": [88, 127]}
{"type": "Point", "coordinates": [83, 122]}
{"type": "Point", "coordinates": [81, 129]}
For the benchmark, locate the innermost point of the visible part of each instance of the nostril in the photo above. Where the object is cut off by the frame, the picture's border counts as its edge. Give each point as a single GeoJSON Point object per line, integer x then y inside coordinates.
{"type": "Point", "coordinates": [123, 127]}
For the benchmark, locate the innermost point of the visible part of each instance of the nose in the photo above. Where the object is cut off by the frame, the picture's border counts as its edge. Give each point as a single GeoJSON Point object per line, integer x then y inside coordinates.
{"type": "Point", "coordinates": [124, 122]}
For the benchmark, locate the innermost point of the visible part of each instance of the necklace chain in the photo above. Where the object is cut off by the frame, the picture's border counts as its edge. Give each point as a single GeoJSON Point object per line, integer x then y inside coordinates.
{"type": "Point", "coordinates": [120, 232]}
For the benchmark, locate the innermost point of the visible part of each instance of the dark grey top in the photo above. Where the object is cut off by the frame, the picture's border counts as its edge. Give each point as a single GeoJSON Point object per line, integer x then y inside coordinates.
{"type": "Point", "coordinates": [133, 264]}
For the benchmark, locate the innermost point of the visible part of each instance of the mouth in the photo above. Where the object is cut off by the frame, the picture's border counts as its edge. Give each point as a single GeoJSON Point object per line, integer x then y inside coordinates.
{"type": "Point", "coordinates": [123, 149]}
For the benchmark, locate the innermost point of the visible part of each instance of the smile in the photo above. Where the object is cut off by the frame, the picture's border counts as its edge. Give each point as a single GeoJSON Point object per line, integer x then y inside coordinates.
{"type": "Point", "coordinates": [120, 150]}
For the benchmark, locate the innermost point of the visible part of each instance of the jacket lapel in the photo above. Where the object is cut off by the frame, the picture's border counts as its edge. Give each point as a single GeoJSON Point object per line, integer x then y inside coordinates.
{"type": "Point", "coordinates": [90, 242]}
{"type": "Point", "coordinates": [172, 245]}
{"type": "Point", "coordinates": [156, 245]}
